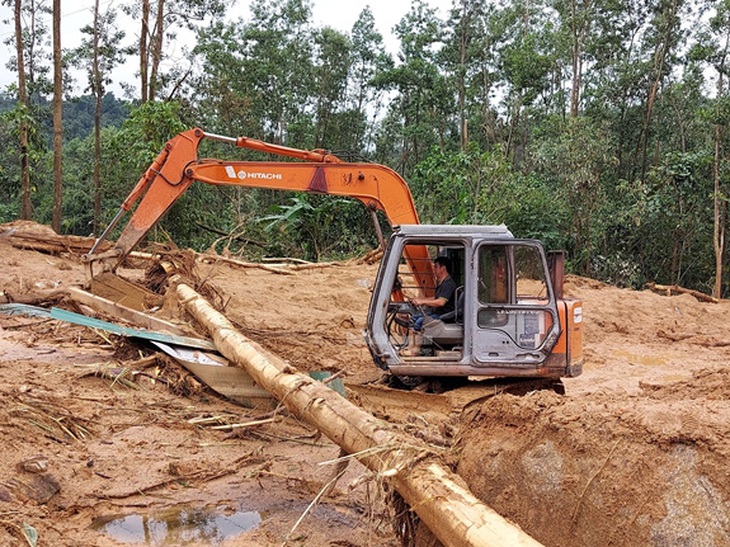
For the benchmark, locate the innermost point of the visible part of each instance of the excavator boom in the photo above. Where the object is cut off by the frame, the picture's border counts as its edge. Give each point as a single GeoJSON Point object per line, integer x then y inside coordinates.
{"type": "Point", "coordinates": [378, 187]}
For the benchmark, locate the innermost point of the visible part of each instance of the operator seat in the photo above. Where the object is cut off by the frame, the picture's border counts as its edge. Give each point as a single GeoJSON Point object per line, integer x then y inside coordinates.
{"type": "Point", "coordinates": [449, 328]}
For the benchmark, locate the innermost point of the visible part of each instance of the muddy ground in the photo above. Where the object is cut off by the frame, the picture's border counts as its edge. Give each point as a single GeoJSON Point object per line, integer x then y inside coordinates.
{"type": "Point", "coordinates": [104, 445]}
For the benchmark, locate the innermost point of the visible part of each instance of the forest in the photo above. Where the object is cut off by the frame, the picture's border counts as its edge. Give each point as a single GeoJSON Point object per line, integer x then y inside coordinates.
{"type": "Point", "coordinates": [597, 126]}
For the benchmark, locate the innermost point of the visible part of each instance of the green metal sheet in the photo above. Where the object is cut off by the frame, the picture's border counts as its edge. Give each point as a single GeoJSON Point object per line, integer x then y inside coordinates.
{"type": "Point", "coordinates": [24, 309]}
{"type": "Point", "coordinates": [78, 319]}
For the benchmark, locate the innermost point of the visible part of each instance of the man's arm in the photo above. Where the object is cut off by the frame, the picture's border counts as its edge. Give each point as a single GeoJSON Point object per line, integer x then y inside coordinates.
{"type": "Point", "coordinates": [433, 302]}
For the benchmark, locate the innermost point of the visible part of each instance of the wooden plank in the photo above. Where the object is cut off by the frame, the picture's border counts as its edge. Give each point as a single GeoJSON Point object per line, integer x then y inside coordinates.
{"type": "Point", "coordinates": [118, 290]}
{"type": "Point", "coordinates": [113, 309]}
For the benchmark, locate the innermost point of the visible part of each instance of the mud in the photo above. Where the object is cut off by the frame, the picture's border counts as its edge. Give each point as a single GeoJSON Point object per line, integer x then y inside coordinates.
{"type": "Point", "coordinates": [634, 453]}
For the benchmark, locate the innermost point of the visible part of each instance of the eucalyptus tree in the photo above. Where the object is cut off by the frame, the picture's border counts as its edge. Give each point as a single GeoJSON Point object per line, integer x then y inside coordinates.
{"type": "Point", "coordinates": [421, 112]}
{"type": "Point", "coordinates": [368, 60]}
{"type": "Point", "coordinates": [664, 36]}
{"type": "Point", "coordinates": [25, 209]}
{"type": "Point", "coordinates": [29, 40]}
{"type": "Point", "coordinates": [469, 58]}
{"type": "Point", "coordinates": [531, 82]}
{"type": "Point", "coordinates": [332, 62]}
{"type": "Point", "coordinates": [258, 73]}
{"type": "Point", "coordinates": [577, 21]}
{"type": "Point", "coordinates": [100, 52]}
{"type": "Point", "coordinates": [161, 21]}
{"type": "Point", "coordinates": [712, 48]}
{"type": "Point", "coordinates": [57, 118]}
{"type": "Point", "coordinates": [720, 26]}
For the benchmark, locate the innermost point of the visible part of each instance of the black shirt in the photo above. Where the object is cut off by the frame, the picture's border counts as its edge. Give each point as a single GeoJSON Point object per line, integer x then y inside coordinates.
{"type": "Point", "coordinates": [446, 289]}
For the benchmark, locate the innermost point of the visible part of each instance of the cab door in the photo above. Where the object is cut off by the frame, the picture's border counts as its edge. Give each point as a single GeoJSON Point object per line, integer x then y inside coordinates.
{"type": "Point", "coordinates": [515, 315]}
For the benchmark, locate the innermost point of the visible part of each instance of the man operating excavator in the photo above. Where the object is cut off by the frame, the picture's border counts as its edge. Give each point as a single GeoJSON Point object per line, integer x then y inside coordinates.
{"type": "Point", "coordinates": [441, 303]}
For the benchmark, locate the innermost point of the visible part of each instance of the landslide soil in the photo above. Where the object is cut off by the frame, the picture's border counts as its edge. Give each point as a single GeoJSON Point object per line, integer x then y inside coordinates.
{"type": "Point", "coordinates": [106, 443]}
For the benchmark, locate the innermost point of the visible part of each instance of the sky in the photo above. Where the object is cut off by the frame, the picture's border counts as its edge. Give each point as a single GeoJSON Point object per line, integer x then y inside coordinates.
{"type": "Point", "coordinates": [339, 14]}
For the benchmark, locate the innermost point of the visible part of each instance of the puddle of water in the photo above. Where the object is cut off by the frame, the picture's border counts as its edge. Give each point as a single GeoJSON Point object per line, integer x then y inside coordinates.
{"type": "Point", "coordinates": [179, 526]}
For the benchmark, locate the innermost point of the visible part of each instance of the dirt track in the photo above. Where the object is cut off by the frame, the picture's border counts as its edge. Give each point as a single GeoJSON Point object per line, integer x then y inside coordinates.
{"type": "Point", "coordinates": [634, 454]}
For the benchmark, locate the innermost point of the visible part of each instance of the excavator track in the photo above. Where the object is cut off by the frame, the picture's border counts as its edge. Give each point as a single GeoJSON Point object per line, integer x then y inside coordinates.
{"type": "Point", "coordinates": [439, 398]}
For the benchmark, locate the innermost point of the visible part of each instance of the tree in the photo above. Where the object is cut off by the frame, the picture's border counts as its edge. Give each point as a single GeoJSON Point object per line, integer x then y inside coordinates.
{"type": "Point", "coordinates": [331, 66]}
{"type": "Point", "coordinates": [467, 57]}
{"type": "Point", "coordinates": [369, 60]}
{"type": "Point", "coordinates": [577, 159]}
{"type": "Point", "coordinates": [528, 52]}
{"type": "Point", "coordinates": [259, 75]}
{"type": "Point", "coordinates": [99, 53]}
{"type": "Point", "coordinates": [28, 41]}
{"type": "Point", "coordinates": [167, 17]}
{"type": "Point", "coordinates": [25, 209]}
{"type": "Point", "coordinates": [577, 18]}
{"type": "Point", "coordinates": [422, 106]}
{"type": "Point", "coordinates": [665, 35]}
{"type": "Point", "coordinates": [57, 117]}
{"type": "Point", "coordinates": [714, 47]}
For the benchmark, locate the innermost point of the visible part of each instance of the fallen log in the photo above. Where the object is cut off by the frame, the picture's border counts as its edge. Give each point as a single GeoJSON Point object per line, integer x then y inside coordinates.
{"type": "Point", "coordinates": [212, 259]}
{"type": "Point", "coordinates": [437, 495]}
{"type": "Point", "coordinates": [41, 238]}
{"type": "Point", "coordinates": [676, 289]}
{"type": "Point", "coordinates": [37, 298]}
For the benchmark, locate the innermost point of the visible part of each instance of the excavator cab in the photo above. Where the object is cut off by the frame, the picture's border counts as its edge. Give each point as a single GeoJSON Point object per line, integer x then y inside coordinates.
{"type": "Point", "coordinates": [509, 319]}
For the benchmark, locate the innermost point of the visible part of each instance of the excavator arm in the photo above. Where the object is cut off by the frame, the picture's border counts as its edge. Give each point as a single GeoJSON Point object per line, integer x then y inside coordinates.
{"type": "Point", "coordinates": [177, 167]}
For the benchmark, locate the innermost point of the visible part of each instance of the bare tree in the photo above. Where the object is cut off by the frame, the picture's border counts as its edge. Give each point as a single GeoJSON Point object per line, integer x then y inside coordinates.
{"type": "Point", "coordinates": [97, 86]}
{"type": "Point", "coordinates": [143, 56]}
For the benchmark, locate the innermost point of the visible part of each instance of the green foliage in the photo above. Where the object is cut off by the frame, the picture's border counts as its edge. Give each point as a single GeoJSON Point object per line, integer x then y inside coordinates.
{"type": "Point", "coordinates": [78, 115]}
{"type": "Point", "coordinates": [78, 205]}
{"type": "Point", "coordinates": [318, 227]}
{"type": "Point", "coordinates": [128, 151]}
{"type": "Point", "coordinates": [475, 187]}
{"type": "Point", "coordinates": [474, 111]}
{"type": "Point", "coordinates": [449, 187]}
{"type": "Point", "coordinates": [420, 112]}
{"type": "Point", "coordinates": [38, 160]}
{"type": "Point", "coordinates": [144, 133]}
{"type": "Point", "coordinates": [577, 158]}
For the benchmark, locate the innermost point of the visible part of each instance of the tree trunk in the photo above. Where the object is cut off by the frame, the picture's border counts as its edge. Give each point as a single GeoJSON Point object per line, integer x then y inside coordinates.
{"type": "Point", "coordinates": [438, 496]}
{"type": "Point", "coordinates": [98, 91]}
{"type": "Point", "coordinates": [143, 55]}
{"type": "Point", "coordinates": [463, 46]}
{"type": "Point", "coordinates": [718, 231]}
{"type": "Point", "coordinates": [57, 119]}
{"type": "Point", "coordinates": [577, 62]}
{"type": "Point", "coordinates": [25, 206]}
{"type": "Point", "coordinates": [156, 47]}
{"type": "Point", "coordinates": [661, 54]}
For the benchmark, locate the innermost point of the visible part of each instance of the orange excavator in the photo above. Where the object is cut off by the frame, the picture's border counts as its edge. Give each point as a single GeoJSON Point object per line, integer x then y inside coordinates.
{"type": "Point", "coordinates": [510, 318]}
